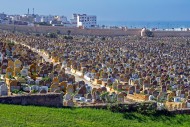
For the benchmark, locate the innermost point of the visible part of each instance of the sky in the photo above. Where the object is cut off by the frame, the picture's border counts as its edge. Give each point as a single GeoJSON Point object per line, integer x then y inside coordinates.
{"type": "Point", "coordinates": [105, 10]}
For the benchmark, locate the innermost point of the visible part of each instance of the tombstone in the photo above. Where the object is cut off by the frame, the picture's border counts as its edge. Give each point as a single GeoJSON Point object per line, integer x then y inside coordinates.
{"type": "Point", "coordinates": [81, 83]}
{"type": "Point", "coordinates": [9, 72]}
{"type": "Point", "coordinates": [14, 85]}
{"type": "Point", "coordinates": [146, 92]}
{"type": "Point", "coordinates": [70, 89]}
{"type": "Point", "coordinates": [69, 103]}
{"type": "Point", "coordinates": [51, 76]}
{"type": "Point", "coordinates": [32, 68]}
{"type": "Point", "coordinates": [54, 87]}
{"type": "Point", "coordinates": [10, 64]}
{"type": "Point", "coordinates": [161, 97]}
{"type": "Point", "coordinates": [151, 90]}
{"type": "Point", "coordinates": [3, 90]}
{"type": "Point", "coordinates": [60, 77]}
{"type": "Point", "coordinates": [5, 62]}
{"type": "Point", "coordinates": [114, 86]}
{"type": "Point", "coordinates": [63, 86]}
{"type": "Point", "coordinates": [131, 89]}
{"type": "Point", "coordinates": [97, 95]}
{"type": "Point", "coordinates": [164, 88]}
{"type": "Point", "coordinates": [43, 89]}
{"type": "Point", "coordinates": [120, 98]}
{"type": "Point", "coordinates": [103, 89]}
{"type": "Point", "coordinates": [3, 69]}
{"type": "Point", "coordinates": [55, 81]}
{"type": "Point", "coordinates": [182, 95]}
{"type": "Point", "coordinates": [89, 96]}
{"type": "Point", "coordinates": [67, 96]}
{"type": "Point", "coordinates": [151, 98]}
{"type": "Point", "coordinates": [146, 84]}
{"type": "Point", "coordinates": [137, 89]}
{"type": "Point", "coordinates": [38, 80]}
{"type": "Point", "coordinates": [155, 83]}
{"type": "Point", "coordinates": [120, 87]}
{"type": "Point", "coordinates": [16, 72]}
{"type": "Point", "coordinates": [17, 63]}
{"type": "Point", "coordinates": [35, 88]}
{"type": "Point", "coordinates": [24, 72]}
{"type": "Point", "coordinates": [27, 88]}
{"type": "Point", "coordinates": [170, 97]}
{"type": "Point", "coordinates": [177, 99]}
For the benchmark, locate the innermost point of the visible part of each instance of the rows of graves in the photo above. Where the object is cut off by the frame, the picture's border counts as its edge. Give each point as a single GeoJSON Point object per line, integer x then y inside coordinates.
{"type": "Point", "coordinates": [130, 68]}
{"type": "Point", "coordinates": [26, 72]}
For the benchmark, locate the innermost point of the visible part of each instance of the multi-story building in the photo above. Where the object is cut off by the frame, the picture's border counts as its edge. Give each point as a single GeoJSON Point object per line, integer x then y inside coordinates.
{"type": "Point", "coordinates": [87, 21]}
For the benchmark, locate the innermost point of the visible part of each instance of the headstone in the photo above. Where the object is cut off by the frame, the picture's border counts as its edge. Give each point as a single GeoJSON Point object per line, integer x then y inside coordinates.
{"type": "Point", "coordinates": [68, 96]}
{"type": "Point", "coordinates": [16, 72]}
{"type": "Point", "coordinates": [120, 98]}
{"type": "Point", "coordinates": [69, 89]}
{"type": "Point", "coordinates": [131, 89]}
{"type": "Point", "coordinates": [82, 90]}
{"type": "Point", "coordinates": [10, 64]}
{"type": "Point", "coordinates": [24, 72]}
{"type": "Point", "coordinates": [17, 63]}
{"type": "Point", "coordinates": [3, 90]}
{"type": "Point", "coordinates": [43, 89]}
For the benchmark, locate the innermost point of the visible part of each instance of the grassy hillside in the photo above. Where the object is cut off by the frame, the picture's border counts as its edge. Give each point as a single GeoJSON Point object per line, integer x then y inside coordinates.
{"type": "Point", "coordinates": [20, 116]}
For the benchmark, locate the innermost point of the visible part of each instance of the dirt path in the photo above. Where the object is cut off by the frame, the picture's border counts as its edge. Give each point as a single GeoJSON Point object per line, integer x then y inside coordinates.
{"type": "Point", "coordinates": [47, 59]}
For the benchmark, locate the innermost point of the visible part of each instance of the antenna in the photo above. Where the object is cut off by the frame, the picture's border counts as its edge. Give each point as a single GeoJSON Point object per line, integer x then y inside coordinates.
{"type": "Point", "coordinates": [33, 11]}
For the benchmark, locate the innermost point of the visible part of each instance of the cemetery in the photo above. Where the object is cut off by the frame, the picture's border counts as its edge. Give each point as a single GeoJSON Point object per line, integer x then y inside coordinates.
{"type": "Point", "coordinates": [90, 70]}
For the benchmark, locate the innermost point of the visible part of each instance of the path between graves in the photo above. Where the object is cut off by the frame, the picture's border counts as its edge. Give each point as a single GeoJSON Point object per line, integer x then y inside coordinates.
{"type": "Point", "coordinates": [77, 78]}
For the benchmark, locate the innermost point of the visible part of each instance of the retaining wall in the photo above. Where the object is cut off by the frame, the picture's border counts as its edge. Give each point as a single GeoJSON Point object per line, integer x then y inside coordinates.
{"type": "Point", "coordinates": [49, 100]}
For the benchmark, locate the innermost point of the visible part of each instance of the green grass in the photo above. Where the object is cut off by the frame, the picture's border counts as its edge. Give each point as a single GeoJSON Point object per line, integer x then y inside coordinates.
{"type": "Point", "coordinates": [30, 116]}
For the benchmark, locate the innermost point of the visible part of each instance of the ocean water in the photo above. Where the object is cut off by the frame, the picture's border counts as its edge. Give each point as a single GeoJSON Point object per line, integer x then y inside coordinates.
{"type": "Point", "coordinates": [147, 24]}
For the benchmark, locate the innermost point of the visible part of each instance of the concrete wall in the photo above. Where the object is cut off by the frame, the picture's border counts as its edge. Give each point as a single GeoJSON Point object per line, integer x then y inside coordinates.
{"type": "Point", "coordinates": [171, 33]}
{"type": "Point", "coordinates": [93, 32]}
{"type": "Point", "coordinates": [49, 100]}
{"type": "Point", "coordinates": [74, 31]}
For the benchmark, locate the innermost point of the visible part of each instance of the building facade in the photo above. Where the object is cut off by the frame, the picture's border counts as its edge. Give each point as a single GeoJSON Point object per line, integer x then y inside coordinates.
{"type": "Point", "coordinates": [84, 20]}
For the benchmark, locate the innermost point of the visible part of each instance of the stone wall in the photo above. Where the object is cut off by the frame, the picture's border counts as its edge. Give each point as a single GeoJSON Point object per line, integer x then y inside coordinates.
{"type": "Point", "coordinates": [49, 100]}
{"type": "Point", "coordinates": [171, 33]}
{"type": "Point", "coordinates": [74, 31]}
{"type": "Point", "coordinates": [93, 32]}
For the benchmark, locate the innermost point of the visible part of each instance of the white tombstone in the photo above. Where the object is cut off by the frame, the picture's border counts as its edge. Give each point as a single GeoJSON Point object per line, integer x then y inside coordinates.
{"type": "Point", "coordinates": [68, 96]}
{"type": "Point", "coordinates": [24, 72]}
{"type": "Point", "coordinates": [3, 90]}
{"type": "Point", "coordinates": [44, 88]}
{"type": "Point", "coordinates": [151, 98]}
{"type": "Point", "coordinates": [177, 99]}
{"type": "Point", "coordinates": [188, 104]}
{"type": "Point", "coordinates": [38, 81]}
{"type": "Point", "coordinates": [27, 89]}
{"type": "Point", "coordinates": [35, 87]}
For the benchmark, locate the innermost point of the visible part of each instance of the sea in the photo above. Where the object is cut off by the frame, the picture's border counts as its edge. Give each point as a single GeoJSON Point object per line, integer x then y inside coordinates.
{"type": "Point", "coordinates": [147, 24]}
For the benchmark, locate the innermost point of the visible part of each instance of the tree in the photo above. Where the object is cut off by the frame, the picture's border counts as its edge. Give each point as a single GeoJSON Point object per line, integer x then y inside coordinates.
{"type": "Point", "coordinates": [149, 33]}
{"type": "Point", "coordinates": [103, 38]}
{"type": "Point", "coordinates": [188, 43]}
{"type": "Point", "coordinates": [92, 39]}
{"type": "Point", "coordinates": [58, 32]}
{"type": "Point", "coordinates": [69, 32]}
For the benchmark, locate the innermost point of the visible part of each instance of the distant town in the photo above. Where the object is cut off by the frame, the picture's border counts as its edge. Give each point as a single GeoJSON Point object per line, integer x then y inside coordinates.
{"type": "Point", "coordinates": [32, 19]}
{"type": "Point", "coordinates": [82, 21]}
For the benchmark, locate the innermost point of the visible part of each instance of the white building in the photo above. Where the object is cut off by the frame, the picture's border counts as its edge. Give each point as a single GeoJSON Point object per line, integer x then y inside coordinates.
{"type": "Point", "coordinates": [87, 21]}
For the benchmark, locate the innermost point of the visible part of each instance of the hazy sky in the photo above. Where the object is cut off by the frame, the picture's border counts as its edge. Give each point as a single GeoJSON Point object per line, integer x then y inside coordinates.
{"type": "Point", "coordinates": [106, 10]}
